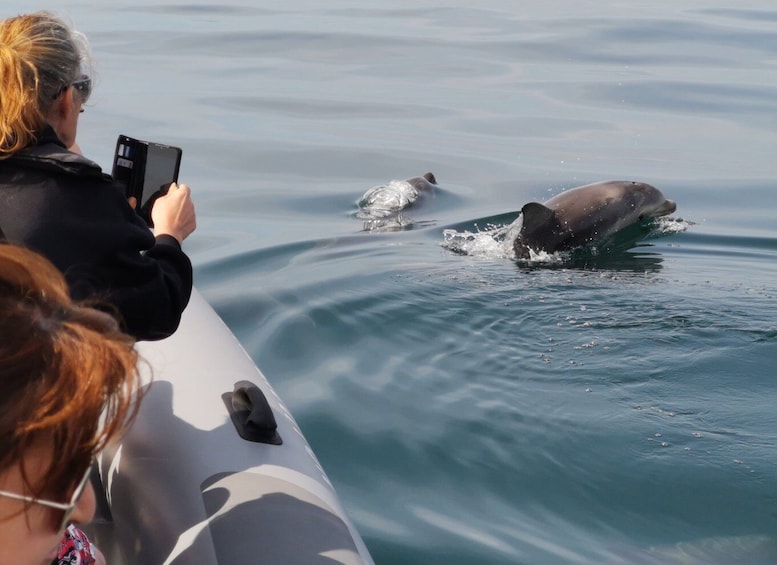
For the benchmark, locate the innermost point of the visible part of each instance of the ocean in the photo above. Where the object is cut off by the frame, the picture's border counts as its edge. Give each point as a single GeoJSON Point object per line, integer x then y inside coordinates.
{"type": "Point", "coordinates": [617, 407]}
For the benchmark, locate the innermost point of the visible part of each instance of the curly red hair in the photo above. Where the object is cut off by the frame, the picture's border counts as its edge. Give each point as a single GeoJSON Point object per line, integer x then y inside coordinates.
{"type": "Point", "coordinates": [68, 375]}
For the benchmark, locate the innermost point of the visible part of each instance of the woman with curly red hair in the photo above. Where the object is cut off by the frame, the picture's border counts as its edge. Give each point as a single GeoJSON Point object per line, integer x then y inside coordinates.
{"type": "Point", "coordinates": [68, 385]}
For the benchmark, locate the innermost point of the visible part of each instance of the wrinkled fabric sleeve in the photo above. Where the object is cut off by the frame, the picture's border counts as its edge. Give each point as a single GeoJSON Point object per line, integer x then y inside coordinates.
{"type": "Point", "coordinates": [156, 290]}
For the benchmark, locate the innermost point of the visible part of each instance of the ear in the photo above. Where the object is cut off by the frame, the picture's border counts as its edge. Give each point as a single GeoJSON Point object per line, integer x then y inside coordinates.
{"type": "Point", "coordinates": [72, 101]}
{"type": "Point", "coordinates": [61, 107]}
{"type": "Point", "coordinates": [63, 115]}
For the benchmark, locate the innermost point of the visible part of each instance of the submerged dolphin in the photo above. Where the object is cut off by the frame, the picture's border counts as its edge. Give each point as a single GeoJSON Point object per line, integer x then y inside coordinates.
{"type": "Point", "coordinates": [586, 214]}
{"type": "Point", "coordinates": [389, 199]}
{"type": "Point", "coordinates": [382, 207]}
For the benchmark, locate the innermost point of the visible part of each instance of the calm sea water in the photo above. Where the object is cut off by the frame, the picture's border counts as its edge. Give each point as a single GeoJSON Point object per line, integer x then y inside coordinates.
{"type": "Point", "coordinates": [468, 409]}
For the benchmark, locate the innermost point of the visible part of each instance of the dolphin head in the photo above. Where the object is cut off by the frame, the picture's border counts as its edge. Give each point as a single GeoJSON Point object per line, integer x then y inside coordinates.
{"type": "Point", "coordinates": [653, 203]}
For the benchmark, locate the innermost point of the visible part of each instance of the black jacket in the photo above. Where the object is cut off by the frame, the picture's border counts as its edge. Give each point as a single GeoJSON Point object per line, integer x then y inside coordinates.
{"type": "Point", "coordinates": [63, 206]}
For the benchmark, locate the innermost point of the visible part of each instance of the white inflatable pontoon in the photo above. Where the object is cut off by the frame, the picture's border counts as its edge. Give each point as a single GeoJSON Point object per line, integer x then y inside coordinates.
{"type": "Point", "coordinates": [190, 484]}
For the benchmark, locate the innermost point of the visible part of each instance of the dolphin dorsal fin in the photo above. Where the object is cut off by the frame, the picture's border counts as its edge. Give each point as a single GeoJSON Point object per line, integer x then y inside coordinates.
{"type": "Point", "coordinates": [536, 216]}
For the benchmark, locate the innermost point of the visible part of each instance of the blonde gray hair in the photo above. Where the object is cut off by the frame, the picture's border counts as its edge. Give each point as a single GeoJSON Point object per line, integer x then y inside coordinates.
{"type": "Point", "coordinates": [40, 55]}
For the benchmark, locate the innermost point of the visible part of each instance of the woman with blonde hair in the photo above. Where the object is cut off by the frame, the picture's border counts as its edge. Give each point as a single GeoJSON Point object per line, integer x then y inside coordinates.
{"type": "Point", "coordinates": [57, 202]}
{"type": "Point", "coordinates": [68, 385]}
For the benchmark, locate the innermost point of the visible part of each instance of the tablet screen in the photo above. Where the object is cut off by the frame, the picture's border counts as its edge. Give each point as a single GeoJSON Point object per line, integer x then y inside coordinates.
{"type": "Point", "coordinates": [162, 163]}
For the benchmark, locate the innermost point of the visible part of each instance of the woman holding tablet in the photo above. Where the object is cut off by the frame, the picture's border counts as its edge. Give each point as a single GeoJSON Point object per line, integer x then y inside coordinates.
{"type": "Point", "coordinates": [57, 202]}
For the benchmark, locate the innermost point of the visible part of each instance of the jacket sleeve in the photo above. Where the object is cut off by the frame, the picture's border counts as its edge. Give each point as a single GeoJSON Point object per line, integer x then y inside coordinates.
{"type": "Point", "coordinates": [150, 290]}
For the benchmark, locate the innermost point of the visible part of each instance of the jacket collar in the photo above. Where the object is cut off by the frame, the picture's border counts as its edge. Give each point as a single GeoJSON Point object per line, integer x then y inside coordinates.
{"type": "Point", "coordinates": [50, 153]}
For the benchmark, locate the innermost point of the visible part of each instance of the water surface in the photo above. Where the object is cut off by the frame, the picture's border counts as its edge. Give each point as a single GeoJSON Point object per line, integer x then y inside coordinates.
{"type": "Point", "coordinates": [470, 409]}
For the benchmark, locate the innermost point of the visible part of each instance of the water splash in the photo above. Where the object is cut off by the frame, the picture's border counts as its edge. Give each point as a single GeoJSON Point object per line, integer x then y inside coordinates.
{"type": "Point", "coordinates": [386, 200]}
{"type": "Point", "coordinates": [667, 225]}
{"type": "Point", "coordinates": [495, 241]}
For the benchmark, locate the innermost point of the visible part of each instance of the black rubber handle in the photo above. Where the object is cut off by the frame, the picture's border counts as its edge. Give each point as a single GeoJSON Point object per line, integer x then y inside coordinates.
{"type": "Point", "coordinates": [251, 413]}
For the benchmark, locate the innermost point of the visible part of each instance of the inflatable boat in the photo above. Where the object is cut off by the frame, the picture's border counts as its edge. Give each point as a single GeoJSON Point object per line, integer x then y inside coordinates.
{"type": "Point", "coordinates": [215, 470]}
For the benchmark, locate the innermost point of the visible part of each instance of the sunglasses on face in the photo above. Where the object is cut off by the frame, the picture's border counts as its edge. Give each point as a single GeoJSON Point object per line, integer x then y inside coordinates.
{"type": "Point", "coordinates": [83, 85]}
{"type": "Point", "coordinates": [67, 508]}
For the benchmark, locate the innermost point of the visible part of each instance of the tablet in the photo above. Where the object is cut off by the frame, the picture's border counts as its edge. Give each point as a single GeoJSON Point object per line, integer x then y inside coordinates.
{"type": "Point", "coordinates": [145, 170]}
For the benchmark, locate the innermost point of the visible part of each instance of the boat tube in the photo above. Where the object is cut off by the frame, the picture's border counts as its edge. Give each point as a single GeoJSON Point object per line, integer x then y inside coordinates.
{"type": "Point", "coordinates": [215, 471]}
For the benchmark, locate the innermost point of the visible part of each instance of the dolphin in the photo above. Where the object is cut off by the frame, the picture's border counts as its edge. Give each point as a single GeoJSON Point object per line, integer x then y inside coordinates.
{"type": "Point", "coordinates": [389, 199]}
{"type": "Point", "coordinates": [585, 214]}
{"type": "Point", "coordinates": [382, 206]}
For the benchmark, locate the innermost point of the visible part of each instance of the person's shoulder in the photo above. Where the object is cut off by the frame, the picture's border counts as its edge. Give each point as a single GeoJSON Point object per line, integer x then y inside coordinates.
{"type": "Point", "coordinates": [53, 158]}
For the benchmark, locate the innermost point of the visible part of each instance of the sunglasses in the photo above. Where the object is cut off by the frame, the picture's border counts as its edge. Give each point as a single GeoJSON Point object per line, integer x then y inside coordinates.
{"type": "Point", "coordinates": [83, 84]}
{"type": "Point", "coordinates": [68, 508]}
